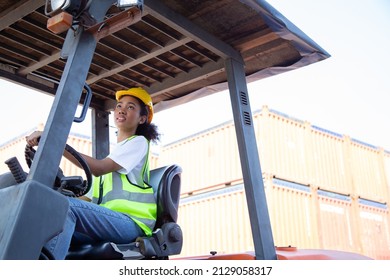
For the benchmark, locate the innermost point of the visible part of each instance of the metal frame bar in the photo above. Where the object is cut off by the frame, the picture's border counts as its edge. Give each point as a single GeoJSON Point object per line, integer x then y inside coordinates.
{"type": "Point", "coordinates": [81, 50]}
{"type": "Point", "coordinates": [100, 134]}
{"type": "Point", "coordinates": [250, 163]}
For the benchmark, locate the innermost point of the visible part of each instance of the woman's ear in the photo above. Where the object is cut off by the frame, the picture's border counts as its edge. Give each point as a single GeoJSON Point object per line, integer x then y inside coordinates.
{"type": "Point", "coordinates": [142, 119]}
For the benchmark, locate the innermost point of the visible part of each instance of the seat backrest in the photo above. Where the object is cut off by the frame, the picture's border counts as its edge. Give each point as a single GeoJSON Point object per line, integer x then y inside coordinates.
{"type": "Point", "coordinates": [166, 182]}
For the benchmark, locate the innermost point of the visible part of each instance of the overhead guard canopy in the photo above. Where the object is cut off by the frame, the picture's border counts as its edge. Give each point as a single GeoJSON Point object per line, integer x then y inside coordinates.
{"type": "Point", "coordinates": [176, 51]}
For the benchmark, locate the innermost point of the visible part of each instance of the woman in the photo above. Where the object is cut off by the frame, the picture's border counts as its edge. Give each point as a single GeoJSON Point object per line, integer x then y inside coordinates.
{"type": "Point", "coordinates": [123, 205]}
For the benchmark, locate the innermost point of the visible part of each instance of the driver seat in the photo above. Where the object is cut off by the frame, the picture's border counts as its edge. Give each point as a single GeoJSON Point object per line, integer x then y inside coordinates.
{"type": "Point", "coordinates": [167, 237]}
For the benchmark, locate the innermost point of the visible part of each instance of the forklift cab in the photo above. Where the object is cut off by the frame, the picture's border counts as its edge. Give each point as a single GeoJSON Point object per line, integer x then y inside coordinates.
{"type": "Point", "coordinates": [166, 239]}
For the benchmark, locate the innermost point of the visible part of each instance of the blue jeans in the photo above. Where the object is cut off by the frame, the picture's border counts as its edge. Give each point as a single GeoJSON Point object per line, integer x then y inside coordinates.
{"type": "Point", "coordinates": [87, 223]}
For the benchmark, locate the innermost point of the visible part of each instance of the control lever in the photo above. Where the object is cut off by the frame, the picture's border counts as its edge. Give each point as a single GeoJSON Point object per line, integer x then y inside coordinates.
{"type": "Point", "coordinates": [16, 170]}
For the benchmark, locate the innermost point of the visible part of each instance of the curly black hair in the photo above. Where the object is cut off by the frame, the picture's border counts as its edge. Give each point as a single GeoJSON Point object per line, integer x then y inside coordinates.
{"type": "Point", "coordinates": [148, 130]}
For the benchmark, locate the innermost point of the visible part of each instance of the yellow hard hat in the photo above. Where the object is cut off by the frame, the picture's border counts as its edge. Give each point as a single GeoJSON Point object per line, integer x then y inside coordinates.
{"type": "Point", "coordinates": [141, 94]}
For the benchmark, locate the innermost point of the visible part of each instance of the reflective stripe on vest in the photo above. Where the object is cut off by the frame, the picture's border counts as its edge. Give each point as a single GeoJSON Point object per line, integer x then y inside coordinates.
{"type": "Point", "coordinates": [118, 192]}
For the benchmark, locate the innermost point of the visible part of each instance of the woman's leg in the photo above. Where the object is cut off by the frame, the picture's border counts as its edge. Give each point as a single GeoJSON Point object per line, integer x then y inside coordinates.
{"type": "Point", "coordinates": [89, 223]}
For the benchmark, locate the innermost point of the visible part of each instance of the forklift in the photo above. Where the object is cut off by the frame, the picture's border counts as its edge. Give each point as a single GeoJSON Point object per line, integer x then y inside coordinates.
{"type": "Point", "coordinates": [34, 204]}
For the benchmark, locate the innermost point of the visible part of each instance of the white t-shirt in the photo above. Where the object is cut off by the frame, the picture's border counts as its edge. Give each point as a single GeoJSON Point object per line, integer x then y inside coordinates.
{"type": "Point", "coordinates": [131, 155]}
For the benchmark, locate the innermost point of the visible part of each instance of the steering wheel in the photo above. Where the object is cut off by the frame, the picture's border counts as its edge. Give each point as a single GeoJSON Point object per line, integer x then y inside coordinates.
{"type": "Point", "coordinates": [74, 186]}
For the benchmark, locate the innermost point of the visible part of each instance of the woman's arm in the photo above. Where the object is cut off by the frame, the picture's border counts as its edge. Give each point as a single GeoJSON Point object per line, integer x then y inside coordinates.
{"type": "Point", "coordinates": [98, 167]}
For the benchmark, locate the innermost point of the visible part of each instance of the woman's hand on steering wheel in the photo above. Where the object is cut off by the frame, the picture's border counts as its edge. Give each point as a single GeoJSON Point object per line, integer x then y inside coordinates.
{"type": "Point", "coordinates": [76, 189]}
{"type": "Point", "coordinates": [33, 139]}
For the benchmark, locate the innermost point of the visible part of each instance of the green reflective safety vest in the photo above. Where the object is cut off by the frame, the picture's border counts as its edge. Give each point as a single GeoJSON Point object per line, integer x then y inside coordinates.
{"type": "Point", "coordinates": [114, 191]}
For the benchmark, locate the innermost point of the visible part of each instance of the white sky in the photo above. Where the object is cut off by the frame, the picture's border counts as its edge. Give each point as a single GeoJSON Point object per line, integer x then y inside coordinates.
{"type": "Point", "coordinates": [348, 93]}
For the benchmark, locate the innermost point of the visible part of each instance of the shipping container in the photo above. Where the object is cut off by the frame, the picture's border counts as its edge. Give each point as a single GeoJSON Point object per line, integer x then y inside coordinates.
{"type": "Point", "coordinates": [282, 144]}
{"type": "Point", "coordinates": [323, 189]}
{"type": "Point", "coordinates": [301, 216]}
{"type": "Point", "coordinates": [208, 158]}
{"type": "Point", "coordinates": [386, 162]}
{"type": "Point", "coordinates": [215, 221]}
{"type": "Point", "coordinates": [367, 170]}
{"type": "Point", "coordinates": [328, 162]}
{"type": "Point", "coordinates": [374, 230]}
{"type": "Point", "coordinates": [288, 148]}
{"type": "Point", "coordinates": [336, 222]}
{"type": "Point", "coordinates": [219, 221]}
{"type": "Point", "coordinates": [293, 214]}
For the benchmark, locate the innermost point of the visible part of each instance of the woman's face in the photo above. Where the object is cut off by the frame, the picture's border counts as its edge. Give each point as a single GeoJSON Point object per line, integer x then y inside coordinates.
{"type": "Point", "coordinates": [127, 113]}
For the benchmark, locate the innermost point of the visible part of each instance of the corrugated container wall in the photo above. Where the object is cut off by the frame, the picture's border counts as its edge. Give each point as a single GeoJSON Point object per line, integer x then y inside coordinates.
{"type": "Point", "coordinates": [313, 179]}
{"type": "Point", "coordinates": [328, 162]}
{"type": "Point", "coordinates": [336, 222]}
{"type": "Point", "coordinates": [324, 189]}
{"type": "Point", "coordinates": [208, 159]}
{"type": "Point", "coordinates": [374, 230]}
{"type": "Point", "coordinates": [301, 216]}
{"type": "Point", "coordinates": [283, 145]}
{"type": "Point", "coordinates": [289, 149]}
{"type": "Point", "coordinates": [215, 221]}
{"type": "Point", "coordinates": [291, 212]}
{"type": "Point", "coordinates": [368, 173]}
{"type": "Point", "coordinates": [386, 163]}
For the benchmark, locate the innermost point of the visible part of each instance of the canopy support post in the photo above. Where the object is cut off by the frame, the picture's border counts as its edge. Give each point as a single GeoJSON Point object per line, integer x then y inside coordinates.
{"type": "Point", "coordinates": [250, 163]}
